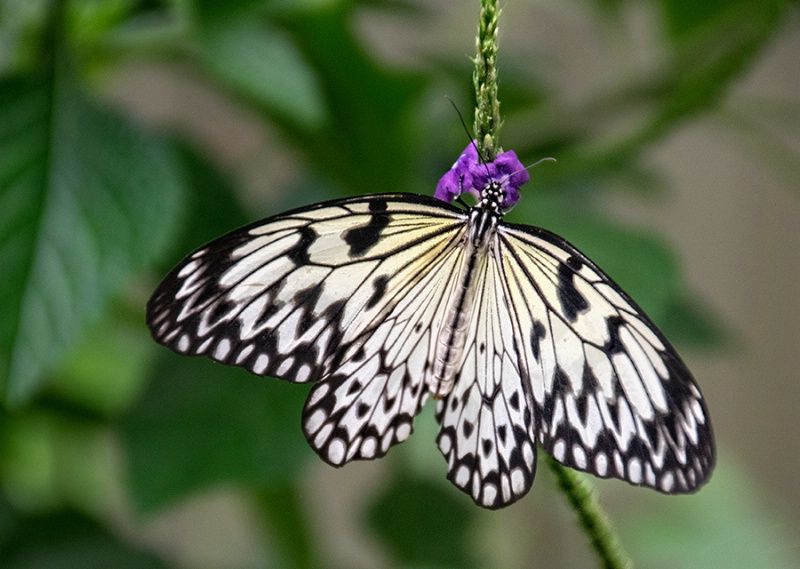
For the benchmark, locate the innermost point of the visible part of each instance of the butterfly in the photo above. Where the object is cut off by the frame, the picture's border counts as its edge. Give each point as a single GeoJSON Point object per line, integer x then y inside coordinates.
{"type": "Point", "coordinates": [383, 301]}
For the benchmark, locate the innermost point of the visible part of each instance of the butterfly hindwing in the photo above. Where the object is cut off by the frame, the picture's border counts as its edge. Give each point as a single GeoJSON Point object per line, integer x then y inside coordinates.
{"type": "Point", "coordinates": [488, 434]}
{"type": "Point", "coordinates": [368, 403]}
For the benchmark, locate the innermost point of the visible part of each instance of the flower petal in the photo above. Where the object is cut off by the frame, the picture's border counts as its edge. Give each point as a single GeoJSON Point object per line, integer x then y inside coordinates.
{"type": "Point", "coordinates": [469, 174]}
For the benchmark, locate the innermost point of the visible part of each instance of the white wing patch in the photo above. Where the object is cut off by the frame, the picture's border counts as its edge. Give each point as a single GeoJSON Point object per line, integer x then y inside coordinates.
{"type": "Point", "coordinates": [357, 295]}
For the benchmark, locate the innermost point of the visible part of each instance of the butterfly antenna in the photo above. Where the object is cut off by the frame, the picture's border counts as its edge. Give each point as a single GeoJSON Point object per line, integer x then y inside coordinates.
{"type": "Point", "coordinates": [463, 122]}
{"type": "Point", "coordinates": [466, 129]}
{"type": "Point", "coordinates": [547, 159]}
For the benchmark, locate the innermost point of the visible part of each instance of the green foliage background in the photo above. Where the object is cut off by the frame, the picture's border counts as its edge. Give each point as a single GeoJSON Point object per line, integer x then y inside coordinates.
{"type": "Point", "coordinates": [102, 432]}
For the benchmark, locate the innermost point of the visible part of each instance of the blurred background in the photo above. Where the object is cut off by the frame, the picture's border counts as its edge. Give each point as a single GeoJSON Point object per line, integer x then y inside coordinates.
{"type": "Point", "coordinates": [133, 131]}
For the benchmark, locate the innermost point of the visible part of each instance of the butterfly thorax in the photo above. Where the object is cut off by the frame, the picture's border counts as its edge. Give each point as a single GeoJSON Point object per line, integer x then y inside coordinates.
{"type": "Point", "coordinates": [452, 337]}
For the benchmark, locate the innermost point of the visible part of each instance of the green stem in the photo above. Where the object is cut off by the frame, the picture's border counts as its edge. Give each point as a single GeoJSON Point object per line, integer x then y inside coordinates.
{"type": "Point", "coordinates": [591, 517]}
{"type": "Point", "coordinates": [484, 78]}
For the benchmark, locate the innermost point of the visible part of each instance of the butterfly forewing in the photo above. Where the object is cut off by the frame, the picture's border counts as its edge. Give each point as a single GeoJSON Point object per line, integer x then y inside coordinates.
{"type": "Point", "coordinates": [288, 296]}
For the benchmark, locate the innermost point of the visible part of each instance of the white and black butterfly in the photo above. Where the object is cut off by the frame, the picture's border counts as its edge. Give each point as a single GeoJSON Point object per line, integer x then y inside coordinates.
{"type": "Point", "coordinates": [383, 300]}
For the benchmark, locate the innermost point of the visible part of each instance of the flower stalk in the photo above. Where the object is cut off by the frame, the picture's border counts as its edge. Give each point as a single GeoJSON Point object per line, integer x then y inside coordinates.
{"type": "Point", "coordinates": [484, 79]}
{"type": "Point", "coordinates": [591, 517]}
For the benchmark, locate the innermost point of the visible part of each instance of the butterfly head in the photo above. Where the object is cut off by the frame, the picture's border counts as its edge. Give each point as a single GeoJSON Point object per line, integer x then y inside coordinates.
{"type": "Point", "coordinates": [493, 197]}
{"type": "Point", "coordinates": [495, 184]}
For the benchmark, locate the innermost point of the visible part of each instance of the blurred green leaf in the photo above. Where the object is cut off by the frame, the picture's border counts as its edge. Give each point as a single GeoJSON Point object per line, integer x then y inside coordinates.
{"type": "Point", "coordinates": [688, 321]}
{"type": "Point", "coordinates": [20, 24]}
{"type": "Point", "coordinates": [86, 198]}
{"type": "Point", "coordinates": [688, 20]}
{"type": "Point", "coordinates": [55, 455]}
{"type": "Point", "coordinates": [210, 210]}
{"type": "Point", "coordinates": [372, 107]}
{"type": "Point", "coordinates": [720, 50]}
{"type": "Point", "coordinates": [603, 137]}
{"type": "Point", "coordinates": [723, 525]}
{"type": "Point", "coordinates": [283, 508]}
{"type": "Point", "coordinates": [104, 372]}
{"type": "Point", "coordinates": [684, 17]}
{"type": "Point", "coordinates": [263, 63]}
{"type": "Point", "coordinates": [89, 20]}
{"type": "Point", "coordinates": [65, 540]}
{"type": "Point", "coordinates": [201, 423]}
{"type": "Point", "coordinates": [422, 524]}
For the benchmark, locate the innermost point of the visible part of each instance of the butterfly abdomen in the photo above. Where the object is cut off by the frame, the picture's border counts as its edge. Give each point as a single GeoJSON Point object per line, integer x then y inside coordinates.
{"type": "Point", "coordinates": [452, 336]}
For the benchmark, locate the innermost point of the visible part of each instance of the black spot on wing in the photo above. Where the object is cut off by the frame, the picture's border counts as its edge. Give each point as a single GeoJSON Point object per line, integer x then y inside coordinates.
{"type": "Point", "coordinates": [613, 413]}
{"type": "Point", "coordinates": [306, 300]}
{"type": "Point", "coordinates": [614, 344]}
{"type": "Point", "coordinates": [308, 296]}
{"type": "Point", "coordinates": [572, 302]}
{"type": "Point", "coordinates": [467, 428]}
{"type": "Point", "coordinates": [538, 334]}
{"type": "Point", "coordinates": [221, 310]}
{"type": "Point", "coordinates": [363, 238]}
{"type": "Point", "coordinates": [582, 404]}
{"type": "Point", "coordinates": [561, 383]}
{"type": "Point", "coordinates": [559, 387]}
{"type": "Point", "coordinates": [359, 355]}
{"type": "Point", "coordinates": [299, 253]}
{"type": "Point", "coordinates": [378, 290]}
{"type": "Point", "coordinates": [269, 310]}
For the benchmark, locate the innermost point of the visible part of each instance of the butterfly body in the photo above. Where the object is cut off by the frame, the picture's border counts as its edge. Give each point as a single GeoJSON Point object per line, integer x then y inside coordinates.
{"type": "Point", "coordinates": [384, 300]}
{"type": "Point", "coordinates": [452, 338]}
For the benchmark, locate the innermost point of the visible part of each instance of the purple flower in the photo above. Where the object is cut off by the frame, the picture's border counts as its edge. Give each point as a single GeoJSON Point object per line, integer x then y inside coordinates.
{"type": "Point", "coordinates": [459, 178]}
{"type": "Point", "coordinates": [470, 175]}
